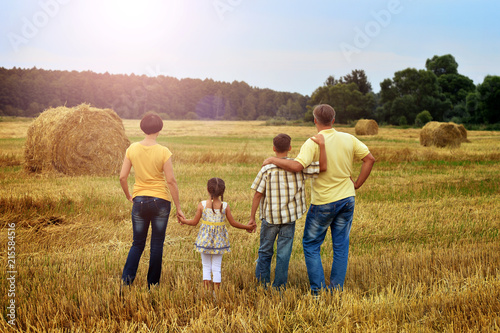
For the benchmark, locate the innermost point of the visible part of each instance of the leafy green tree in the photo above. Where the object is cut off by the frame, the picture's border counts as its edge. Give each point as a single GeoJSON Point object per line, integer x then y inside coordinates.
{"type": "Point", "coordinates": [456, 87]}
{"type": "Point", "coordinates": [423, 118]}
{"type": "Point", "coordinates": [34, 109]}
{"type": "Point", "coordinates": [358, 77]}
{"type": "Point", "coordinates": [290, 111]}
{"type": "Point", "coordinates": [441, 65]}
{"type": "Point", "coordinates": [309, 117]}
{"type": "Point", "coordinates": [228, 110]}
{"type": "Point", "coordinates": [349, 103]}
{"type": "Point", "coordinates": [331, 81]}
{"type": "Point", "coordinates": [265, 104]}
{"type": "Point", "coordinates": [405, 107]}
{"type": "Point", "coordinates": [351, 96]}
{"type": "Point", "coordinates": [218, 104]}
{"type": "Point", "coordinates": [422, 91]}
{"type": "Point", "coordinates": [471, 105]}
{"type": "Point", "coordinates": [402, 121]}
{"type": "Point", "coordinates": [204, 108]}
{"type": "Point", "coordinates": [458, 114]}
{"type": "Point", "coordinates": [247, 111]}
{"type": "Point", "coordinates": [489, 99]}
{"type": "Point", "coordinates": [9, 110]}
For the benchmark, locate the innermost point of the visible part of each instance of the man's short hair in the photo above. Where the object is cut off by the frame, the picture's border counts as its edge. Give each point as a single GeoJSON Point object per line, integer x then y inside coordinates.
{"type": "Point", "coordinates": [324, 114]}
{"type": "Point", "coordinates": [282, 142]}
{"type": "Point", "coordinates": [151, 123]}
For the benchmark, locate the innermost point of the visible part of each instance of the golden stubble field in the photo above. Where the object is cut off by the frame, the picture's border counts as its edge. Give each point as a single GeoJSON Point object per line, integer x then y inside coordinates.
{"type": "Point", "coordinates": [425, 242]}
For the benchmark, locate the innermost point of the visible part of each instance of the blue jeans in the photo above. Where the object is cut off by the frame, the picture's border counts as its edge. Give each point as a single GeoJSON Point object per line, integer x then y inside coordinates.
{"type": "Point", "coordinates": [268, 234]}
{"type": "Point", "coordinates": [146, 211]}
{"type": "Point", "coordinates": [338, 217]}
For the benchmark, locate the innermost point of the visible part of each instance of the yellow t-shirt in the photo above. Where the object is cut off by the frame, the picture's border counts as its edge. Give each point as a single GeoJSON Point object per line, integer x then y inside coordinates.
{"type": "Point", "coordinates": [335, 183]}
{"type": "Point", "coordinates": [148, 162]}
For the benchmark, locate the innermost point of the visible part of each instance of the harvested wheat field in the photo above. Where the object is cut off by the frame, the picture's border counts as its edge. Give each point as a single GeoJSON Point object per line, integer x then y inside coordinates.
{"type": "Point", "coordinates": [424, 246]}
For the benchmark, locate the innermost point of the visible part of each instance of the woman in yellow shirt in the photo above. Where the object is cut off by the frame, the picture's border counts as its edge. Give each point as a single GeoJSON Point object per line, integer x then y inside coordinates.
{"type": "Point", "coordinates": [154, 189]}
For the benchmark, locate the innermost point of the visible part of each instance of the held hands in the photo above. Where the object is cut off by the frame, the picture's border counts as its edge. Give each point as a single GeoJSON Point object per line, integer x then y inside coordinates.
{"type": "Point", "coordinates": [180, 217]}
{"type": "Point", "coordinates": [253, 225]}
{"type": "Point", "coordinates": [183, 221]}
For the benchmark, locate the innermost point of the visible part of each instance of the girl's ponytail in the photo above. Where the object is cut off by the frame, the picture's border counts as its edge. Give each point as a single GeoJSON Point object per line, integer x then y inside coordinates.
{"type": "Point", "coordinates": [216, 188]}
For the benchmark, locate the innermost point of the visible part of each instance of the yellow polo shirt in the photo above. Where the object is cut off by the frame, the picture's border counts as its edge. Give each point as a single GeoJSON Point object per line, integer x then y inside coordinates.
{"type": "Point", "coordinates": [148, 162]}
{"type": "Point", "coordinates": [335, 183]}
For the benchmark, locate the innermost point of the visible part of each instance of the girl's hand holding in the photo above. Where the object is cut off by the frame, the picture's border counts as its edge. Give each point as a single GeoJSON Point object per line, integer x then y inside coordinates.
{"type": "Point", "coordinates": [252, 225]}
{"type": "Point", "coordinates": [180, 217]}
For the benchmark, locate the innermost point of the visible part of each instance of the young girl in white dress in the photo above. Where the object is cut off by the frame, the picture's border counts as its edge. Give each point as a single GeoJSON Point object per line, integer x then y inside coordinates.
{"type": "Point", "coordinates": [213, 240]}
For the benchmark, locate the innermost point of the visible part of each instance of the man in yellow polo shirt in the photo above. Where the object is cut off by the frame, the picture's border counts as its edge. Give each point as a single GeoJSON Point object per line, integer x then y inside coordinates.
{"type": "Point", "coordinates": [332, 196]}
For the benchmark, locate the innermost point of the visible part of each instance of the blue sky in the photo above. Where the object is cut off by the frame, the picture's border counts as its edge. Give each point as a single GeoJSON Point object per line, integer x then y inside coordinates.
{"type": "Point", "coordinates": [282, 45]}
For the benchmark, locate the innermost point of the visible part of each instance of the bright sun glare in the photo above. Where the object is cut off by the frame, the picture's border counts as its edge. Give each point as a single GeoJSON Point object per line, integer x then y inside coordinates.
{"type": "Point", "coordinates": [129, 23]}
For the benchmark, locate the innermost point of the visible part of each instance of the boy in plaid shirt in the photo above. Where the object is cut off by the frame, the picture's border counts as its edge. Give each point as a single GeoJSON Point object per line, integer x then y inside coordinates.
{"type": "Point", "coordinates": [281, 196]}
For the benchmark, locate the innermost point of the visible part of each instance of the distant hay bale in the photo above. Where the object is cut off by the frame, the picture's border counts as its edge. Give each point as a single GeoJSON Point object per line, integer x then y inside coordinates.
{"type": "Point", "coordinates": [366, 127]}
{"type": "Point", "coordinates": [76, 141]}
{"type": "Point", "coordinates": [442, 134]}
{"type": "Point", "coordinates": [427, 133]}
{"type": "Point", "coordinates": [463, 132]}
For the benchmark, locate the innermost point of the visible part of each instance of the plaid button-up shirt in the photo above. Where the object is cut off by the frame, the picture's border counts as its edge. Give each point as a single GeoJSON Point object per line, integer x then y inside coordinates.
{"type": "Point", "coordinates": [284, 193]}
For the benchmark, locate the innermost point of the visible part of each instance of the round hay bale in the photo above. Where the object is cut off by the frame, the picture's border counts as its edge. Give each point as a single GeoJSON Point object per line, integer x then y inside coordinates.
{"type": "Point", "coordinates": [366, 127]}
{"type": "Point", "coordinates": [76, 141]}
{"type": "Point", "coordinates": [447, 135]}
{"type": "Point", "coordinates": [441, 135]}
{"type": "Point", "coordinates": [463, 132]}
{"type": "Point", "coordinates": [427, 133]}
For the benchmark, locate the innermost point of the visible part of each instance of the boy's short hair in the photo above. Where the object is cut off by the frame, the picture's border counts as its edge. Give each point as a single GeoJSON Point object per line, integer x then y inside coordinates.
{"type": "Point", "coordinates": [324, 114]}
{"type": "Point", "coordinates": [151, 123]}
{"type": "Point", "coordinates": [282, 142]}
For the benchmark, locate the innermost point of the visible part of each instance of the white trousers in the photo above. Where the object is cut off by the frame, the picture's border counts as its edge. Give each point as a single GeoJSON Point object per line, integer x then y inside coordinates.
{"type": "Point", "coordinates": [211, 265]}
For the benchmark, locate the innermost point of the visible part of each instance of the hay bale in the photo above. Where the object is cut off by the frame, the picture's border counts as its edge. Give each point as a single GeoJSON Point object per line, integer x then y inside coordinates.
{"type": "Point", "coordinates": [463, 132]}
{"type": "Point", "coordinates": [76, 141]}
{"type": "Point", "coordinates": [427, 133]}
{"type": "Point", "coordinates": [441, 135]}
{"type": "Point", "coordinates": [366, 127]}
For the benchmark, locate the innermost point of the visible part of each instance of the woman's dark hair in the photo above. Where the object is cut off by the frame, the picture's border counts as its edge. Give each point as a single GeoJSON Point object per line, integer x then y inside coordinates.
{"type": "Point", "coordinates": [151, 123]}
{"type": "Point", "coordinates": [216, 188]}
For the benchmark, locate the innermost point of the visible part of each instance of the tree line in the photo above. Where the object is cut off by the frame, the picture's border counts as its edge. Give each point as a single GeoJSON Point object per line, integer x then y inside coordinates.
{"type": "Point", "coordinates": [412, 96]}
{"type": "Point", "coordinates": [27, 92]}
